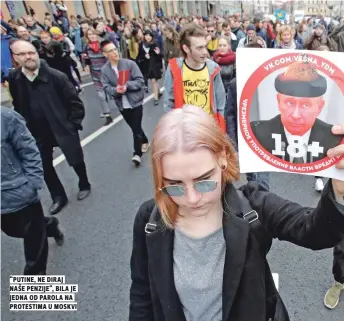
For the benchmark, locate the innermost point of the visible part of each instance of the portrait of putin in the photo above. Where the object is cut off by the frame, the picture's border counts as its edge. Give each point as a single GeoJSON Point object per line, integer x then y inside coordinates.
{"type": "Point", "coordinates": [300, 98]}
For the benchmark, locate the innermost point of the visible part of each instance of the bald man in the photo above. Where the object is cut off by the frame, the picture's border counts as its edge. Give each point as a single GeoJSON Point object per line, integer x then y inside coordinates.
{"type": "Point", "coordinates": [54, 112]}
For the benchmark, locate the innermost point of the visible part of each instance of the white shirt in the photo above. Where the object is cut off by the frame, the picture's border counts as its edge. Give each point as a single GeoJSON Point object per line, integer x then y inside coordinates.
{"type": "Point", "coordinates": [30, 77]}
{"type": "Point", "coordinates": [125, 101]}
{"type": "Point", "coordinates": [304, 139]}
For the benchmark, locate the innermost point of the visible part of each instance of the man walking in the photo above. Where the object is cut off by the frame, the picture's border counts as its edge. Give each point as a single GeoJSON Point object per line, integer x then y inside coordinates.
{"type": "Point", "coordinates": [194, 79]}
{"type": "Point", "coordinates": [123, 80]}
{"type": "Point", "coordinates": [21, 177]}
{"type": "Point", "coordinates": [54, 112]}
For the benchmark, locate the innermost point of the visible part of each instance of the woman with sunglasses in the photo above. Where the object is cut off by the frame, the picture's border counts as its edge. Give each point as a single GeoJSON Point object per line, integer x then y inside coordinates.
{"type": "Point", "coordinates": [200, 259]}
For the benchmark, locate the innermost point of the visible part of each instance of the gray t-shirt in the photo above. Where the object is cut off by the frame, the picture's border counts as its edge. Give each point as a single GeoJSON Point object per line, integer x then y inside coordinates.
{"type": "Point", "coordinates": [198, 266]}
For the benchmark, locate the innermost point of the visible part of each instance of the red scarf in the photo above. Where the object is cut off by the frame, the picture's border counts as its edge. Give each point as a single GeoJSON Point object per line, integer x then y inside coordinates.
{"type": "Point", "coordinates": [94, 45]}
{"type": "Point", "coordinates": [224, 59]}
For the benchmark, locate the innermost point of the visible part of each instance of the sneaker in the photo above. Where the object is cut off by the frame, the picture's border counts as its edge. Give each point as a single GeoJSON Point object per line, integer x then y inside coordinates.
{"type": "Point", "coordinates": [146, 89]}
{"type": "Point", "coordinates": [319, 185]}
{"type": "Point", "coordinates": [145, 147]}
{"type": "Point", "coordinates": [332, 296]}
{"type": "Point", "coordinates": [156, 102]}
{"type": "Point", "coordinates": [108, 120]}
{"type": "Point", "coordinates": [136, 160]}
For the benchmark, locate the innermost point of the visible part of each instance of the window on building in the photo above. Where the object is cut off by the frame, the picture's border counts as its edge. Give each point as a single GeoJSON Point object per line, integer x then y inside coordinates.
{"type": "Point", "coordinates": [79, 8]}
{"type": "Point", "coordinates": [136, 8]}
{"type": "Point", "coordinates": [147, 9]}
{"type": "Point", "coordinates": [16, 9]}
{"type": "Point", "coordinates": [100, 8]}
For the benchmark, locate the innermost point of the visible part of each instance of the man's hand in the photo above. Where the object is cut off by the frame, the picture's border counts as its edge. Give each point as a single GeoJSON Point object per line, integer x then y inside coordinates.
{"type": "Point", "coordinates": [121, 89]}
{"type": "Point", "coordinates": [4, 84]}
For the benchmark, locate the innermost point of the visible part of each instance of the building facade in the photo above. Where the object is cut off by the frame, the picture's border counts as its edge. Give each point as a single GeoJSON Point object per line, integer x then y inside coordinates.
{"type": "Point", "coordinates": [105, 8]}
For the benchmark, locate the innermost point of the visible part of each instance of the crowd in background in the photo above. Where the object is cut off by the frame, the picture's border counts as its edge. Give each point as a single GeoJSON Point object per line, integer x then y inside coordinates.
{"type": "Point", "coordinates": [61, 38]}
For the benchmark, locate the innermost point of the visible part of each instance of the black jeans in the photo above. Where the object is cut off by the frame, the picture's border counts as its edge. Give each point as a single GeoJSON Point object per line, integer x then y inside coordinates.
{"type": "Point", "coordinates": [31, 225]}
{"type": "Point", "coordinates": [53, 182]}
{"type": "Point", "coordinates": [338, 262]}
{"type": "Point", "coordinates": [133, 117]}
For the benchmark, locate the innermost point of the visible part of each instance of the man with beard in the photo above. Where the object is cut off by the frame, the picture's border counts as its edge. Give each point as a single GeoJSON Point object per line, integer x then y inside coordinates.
{"type": "Point", "coordinates": [194, 79]}
{"type": "Point", "coordinates": [54, 112]}
{"type": "Point", "coordinates": [319, 38]}
{"type": "Point", "coordinates": [24, 34]}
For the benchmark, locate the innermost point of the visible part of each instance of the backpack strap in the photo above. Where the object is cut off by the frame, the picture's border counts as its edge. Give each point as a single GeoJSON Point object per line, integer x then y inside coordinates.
{"type": "Point", "coordinates": [257, 227]}
{"type": "Point", "coordinates": [152, 223]}
{"type": "Point", "coordinates": [249, 214]}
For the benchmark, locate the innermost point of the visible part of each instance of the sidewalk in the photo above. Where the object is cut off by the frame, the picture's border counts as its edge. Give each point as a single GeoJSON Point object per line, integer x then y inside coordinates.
{"type": "Point", "coordinates": [5, 95]}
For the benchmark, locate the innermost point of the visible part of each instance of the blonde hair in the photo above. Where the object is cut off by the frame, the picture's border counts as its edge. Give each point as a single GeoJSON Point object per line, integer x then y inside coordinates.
{"type": "Point", "coordinates": [283, 29]}
{"type": "Point", "coordinates": [187, 128]}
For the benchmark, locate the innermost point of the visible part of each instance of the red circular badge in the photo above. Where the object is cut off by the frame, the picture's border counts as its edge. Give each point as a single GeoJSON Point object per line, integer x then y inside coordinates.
{"type": "Point", "coordinates": [263, 71]}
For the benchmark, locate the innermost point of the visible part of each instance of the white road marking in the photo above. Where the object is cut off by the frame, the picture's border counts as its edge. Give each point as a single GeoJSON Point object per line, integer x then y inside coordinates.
{"type": "Point", "coordinates": [276, 280]}
{"type": "Point", "coordinates": [87, 84]}
{"type": "Point", "coordinates": [58, 160]}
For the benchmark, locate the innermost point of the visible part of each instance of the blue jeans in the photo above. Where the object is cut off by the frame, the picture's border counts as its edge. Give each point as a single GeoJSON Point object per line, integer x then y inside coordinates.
{"type": "Point", "coordinates": [261, 177]}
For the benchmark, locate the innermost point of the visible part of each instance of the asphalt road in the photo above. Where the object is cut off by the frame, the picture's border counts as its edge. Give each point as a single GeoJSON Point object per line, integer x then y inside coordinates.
{"type": "Point", "coordinates": [98, 233]}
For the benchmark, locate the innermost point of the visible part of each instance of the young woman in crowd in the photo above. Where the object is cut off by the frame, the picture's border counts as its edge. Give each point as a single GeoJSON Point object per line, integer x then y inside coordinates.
{"type": "Point", "coordinates": [302, 31]}
{"type": "Point", "coordinates": [285, 39]}
{"type": "Point", "coordinates": [68, 49]}
{"type": "Point", "coordinates": [134, 53]}
{"type": "Point", "coordinates": [125, 43]}
{"type": "Point", "coordinates": [150, 62]}
{"type": "Point", "coordinates": [199, 258]}
{"type": "Point", "coordinates": [171, 44]}
{"type": "Point", "coordinates": [57, 52]}
{"type": "Point", "coordinates": [225, 58]}
{"type": "Point", "coordinates": [75, 36]}
{"type": "Point", "coordinates": [296, 36]}
{"type": "Point", "coordinates": [95, 59]}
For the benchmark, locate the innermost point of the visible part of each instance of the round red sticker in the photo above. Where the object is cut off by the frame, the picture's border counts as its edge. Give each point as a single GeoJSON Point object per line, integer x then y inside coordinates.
{"type": "Point", "coordinates": [279, 155]}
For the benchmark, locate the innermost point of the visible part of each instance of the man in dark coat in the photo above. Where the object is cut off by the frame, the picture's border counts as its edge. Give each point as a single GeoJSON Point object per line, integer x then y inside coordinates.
{"type": "Point", "coordinates": [54, 112]}
{"type": "Point", "coordinates": [297, 135]}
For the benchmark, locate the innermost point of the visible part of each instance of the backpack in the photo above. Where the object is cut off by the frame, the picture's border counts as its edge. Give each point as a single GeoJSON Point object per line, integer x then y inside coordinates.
{"type": "Point", "coordinates": [275, 308]}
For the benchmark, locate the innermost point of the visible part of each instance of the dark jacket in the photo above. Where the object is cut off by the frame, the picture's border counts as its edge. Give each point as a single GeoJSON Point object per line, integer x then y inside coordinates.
{"type": "Point", "coordinates": [313, 43]}
{"type": "Point", "coordinates": [64, 110]}
{"type": "Point", "coordinates": [135, 84]}
{"type": "Point", "coordinates": [231, 114]}
{"type": "Point", "coordinates": [338, 36]}
{"type": "Point", "coordinates": [154, 64]}
{"type": "Point", "coordinates": [321, 132]}
{"type": "Point", "coordinates": [153, 296]}
{"type": "Point", "coordinates": [239, 33]}
{"type": "Point", "coordinates": [21, 164]}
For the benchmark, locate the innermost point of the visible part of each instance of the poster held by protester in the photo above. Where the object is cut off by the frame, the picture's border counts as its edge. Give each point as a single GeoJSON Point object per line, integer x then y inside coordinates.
{"type": "Point", "coordinates": [288, 101]}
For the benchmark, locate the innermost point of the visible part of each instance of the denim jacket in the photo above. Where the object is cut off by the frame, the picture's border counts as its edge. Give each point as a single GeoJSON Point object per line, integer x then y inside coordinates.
{"type": "Point", "coordinates": [21, 164]}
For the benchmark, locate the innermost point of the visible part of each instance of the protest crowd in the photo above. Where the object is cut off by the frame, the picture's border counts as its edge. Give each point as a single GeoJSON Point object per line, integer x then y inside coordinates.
{"type": "Point", "coordinates": [43, 63]}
